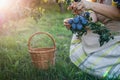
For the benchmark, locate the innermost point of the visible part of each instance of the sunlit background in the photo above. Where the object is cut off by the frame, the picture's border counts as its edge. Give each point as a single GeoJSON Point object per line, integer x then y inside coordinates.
{"type": "Point", "coordinates": [4, 4]}
{"type": "Point", "coordinates": [7, 10]}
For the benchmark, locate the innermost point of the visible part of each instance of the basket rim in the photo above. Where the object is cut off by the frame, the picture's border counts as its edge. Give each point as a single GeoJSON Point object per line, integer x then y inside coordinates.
{"type": "Point", "coordinates": [39, 52]}
{"type": "Point", "coordinates": [49, 35]}
{"type": "Point", "coordinates": [42, 48]}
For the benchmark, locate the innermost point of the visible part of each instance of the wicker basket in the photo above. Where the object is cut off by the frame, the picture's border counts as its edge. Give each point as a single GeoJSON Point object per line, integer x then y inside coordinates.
{"type": "Point", "coordinates": [42, 58]}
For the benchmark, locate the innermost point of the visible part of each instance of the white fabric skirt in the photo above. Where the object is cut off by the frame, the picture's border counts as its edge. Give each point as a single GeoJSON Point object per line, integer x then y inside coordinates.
{"type": "Point", "coordinates": [87, 54]}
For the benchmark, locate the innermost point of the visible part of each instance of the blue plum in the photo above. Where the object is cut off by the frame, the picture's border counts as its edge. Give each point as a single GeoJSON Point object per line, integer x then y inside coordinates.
{"type": "Point", "coordinates": [76, 20]}
{"type": "Point", "coordinates": [79, 26]}
{"type": "Point", "coordinates": [73, 26]}
{"type": "Point", "coordinates": [70, 21]}
{"type": "Point", "coordinates": [83, 20]}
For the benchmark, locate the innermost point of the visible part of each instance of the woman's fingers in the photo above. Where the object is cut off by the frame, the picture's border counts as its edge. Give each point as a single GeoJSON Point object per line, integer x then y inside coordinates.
{"type": "Point", "coordinates": [80, 6]}
{"type": "Point", "coordinates": [66, 20]}
{"type": "Point", "coordinates": [68, 27]}
{"type": "Point", "coordinates": [66, 23]}
{"type": "Point", "coordinates": [76, 7]}
{"type": "Point", "coordinates": [83, 4]}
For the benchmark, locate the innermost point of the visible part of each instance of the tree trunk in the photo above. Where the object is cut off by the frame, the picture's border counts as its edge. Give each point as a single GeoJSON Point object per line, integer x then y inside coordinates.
{"type": "Point", "coordinates": [61, 6]}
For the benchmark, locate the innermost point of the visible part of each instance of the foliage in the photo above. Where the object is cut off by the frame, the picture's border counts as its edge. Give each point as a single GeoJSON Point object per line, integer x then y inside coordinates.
{"type": "Point", "coordinates": [104, 34]}
{"type": "Point", "coordinates": [36, 13]}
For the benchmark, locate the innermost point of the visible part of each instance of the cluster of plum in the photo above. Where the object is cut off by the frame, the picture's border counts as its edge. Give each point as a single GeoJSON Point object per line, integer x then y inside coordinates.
{"type": "Point", "coordinates": [77, 23]}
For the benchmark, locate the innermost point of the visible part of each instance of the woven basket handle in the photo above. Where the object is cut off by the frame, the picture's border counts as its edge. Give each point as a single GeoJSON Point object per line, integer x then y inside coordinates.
{"type": "Point", "coordinates": [29, 41]}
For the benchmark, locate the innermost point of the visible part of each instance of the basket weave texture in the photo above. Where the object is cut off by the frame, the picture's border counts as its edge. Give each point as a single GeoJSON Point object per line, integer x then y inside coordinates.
{"type": "Point", "coordinates": [42, 58]}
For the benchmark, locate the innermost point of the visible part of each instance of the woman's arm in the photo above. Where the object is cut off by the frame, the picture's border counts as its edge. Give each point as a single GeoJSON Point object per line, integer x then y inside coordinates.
{"type": "Point", "coordinates": [105, 10]}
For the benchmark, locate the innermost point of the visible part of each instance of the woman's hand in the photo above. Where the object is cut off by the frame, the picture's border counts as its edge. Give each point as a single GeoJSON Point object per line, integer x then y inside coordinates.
{"type": "Point", "coordinates": [83, 4]}
{"type": "Point", "coordinates": [74, 9]}
{"type": "Point", "coordinates": [66, 23]}
{"type": "Point", "coordinates": [78, 7]}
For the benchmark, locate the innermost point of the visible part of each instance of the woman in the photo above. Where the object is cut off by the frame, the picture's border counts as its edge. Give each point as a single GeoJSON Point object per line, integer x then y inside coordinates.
{"type": "Point", "coordinates": [86, 53]}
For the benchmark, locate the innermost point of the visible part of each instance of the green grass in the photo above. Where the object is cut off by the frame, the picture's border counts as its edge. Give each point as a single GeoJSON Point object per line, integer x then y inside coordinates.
{"type": "Point", "coordinates": [15, 60]}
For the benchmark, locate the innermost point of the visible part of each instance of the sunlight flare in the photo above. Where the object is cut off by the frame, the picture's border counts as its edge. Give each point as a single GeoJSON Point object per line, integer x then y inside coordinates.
{"type": "Point", "coordinates": [4, 4]}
